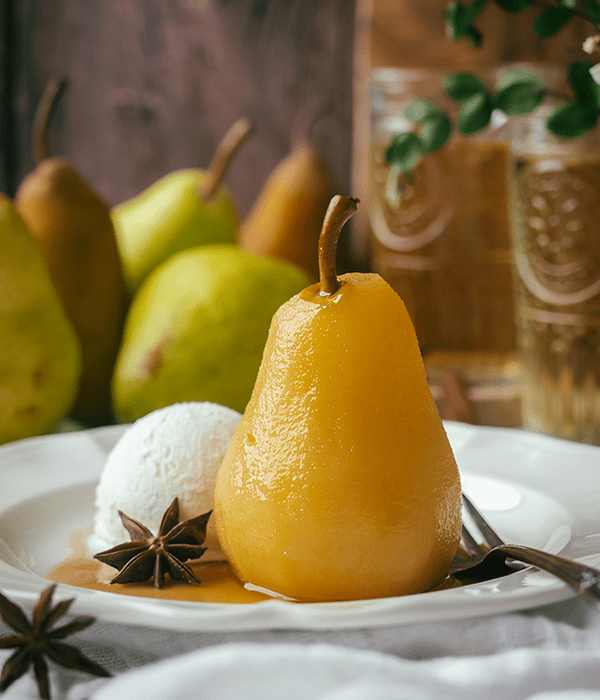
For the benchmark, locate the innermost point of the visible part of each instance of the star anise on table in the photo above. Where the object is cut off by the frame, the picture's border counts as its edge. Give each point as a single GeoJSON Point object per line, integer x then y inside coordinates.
{"type": "Point", "coordinates": [36, 639]}
{"type": "Point", "coordinates": [151, 556]}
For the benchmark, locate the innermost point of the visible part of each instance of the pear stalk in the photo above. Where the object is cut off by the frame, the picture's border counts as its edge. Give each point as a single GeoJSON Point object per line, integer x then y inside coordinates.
{"type": "Point", "coordinates": [43, 114]}
{"type": "Point", "coordinates": [226, 151]}
{"type": "Point", "coordinates": [340, 209]}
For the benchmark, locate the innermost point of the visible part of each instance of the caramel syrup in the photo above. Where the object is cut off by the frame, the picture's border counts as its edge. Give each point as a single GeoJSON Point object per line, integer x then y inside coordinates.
{"type": "Point", "coordinates": [219, 583]}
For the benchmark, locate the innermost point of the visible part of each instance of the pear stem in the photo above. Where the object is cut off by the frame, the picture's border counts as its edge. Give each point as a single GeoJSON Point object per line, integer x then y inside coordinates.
{"type": "Point", "coordinates": [340, 209]}
{"type": "Point", "coordinates": [43, 113]}
{"type": "Point", "coordinates": [226, 151]}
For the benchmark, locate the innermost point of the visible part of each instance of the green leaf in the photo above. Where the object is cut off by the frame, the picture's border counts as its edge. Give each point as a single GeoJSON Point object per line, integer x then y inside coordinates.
{"type": "Point", "coordinates": [474, 36]}
{"type": "Point", "coordinates": [585, 87]}
{"type": "Point", "coordinates": [514, 5]}
{"type": "Point", "coordinates": [457, 20]}
{"type": "Point", "coordinates": [435, 125]}
{"type": "Point", "coordinates": [476, 7]}
{"type": "Point", "coordinates": [462, 86]}
{"type": "Point", "coordinates": [518, 75]}
{"type": "Point", "coordinates": [435, 132]}
{"type": "Point", "coordinates": [520, 97]}
{"type": "Point", "coordinates": [420, 109]}
{"type": "Point", "coordinates": [476, 111]}
{"type": "Point", "coordinates": [475, 114]}
{"type": "Point", "coordinates": [404, 151]}
{"type": "Point", "coordinates": [572, 120]}
{"type": "Point", "coordinates": [593, 10]}
{"type": "Point", "coordinates": [551, 21]}
{"type": "Point", "coordinates": [571, 4]}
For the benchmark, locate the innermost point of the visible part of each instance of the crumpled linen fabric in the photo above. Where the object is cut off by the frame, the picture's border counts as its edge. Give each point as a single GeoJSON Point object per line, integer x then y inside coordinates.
{"type": "Point", "coordinates": [549, 653]}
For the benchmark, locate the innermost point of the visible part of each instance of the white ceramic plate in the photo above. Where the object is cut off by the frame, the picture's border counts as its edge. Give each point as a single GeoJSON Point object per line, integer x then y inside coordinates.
{"type": "Point", "coordinates": [534, 490]}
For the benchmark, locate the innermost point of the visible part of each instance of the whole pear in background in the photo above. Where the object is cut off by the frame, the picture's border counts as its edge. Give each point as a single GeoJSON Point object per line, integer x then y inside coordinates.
{"type": "Point", "coordinates": [285, 220]}
{"type": "Point", "coordinates": [339, 482]}
{"type": "Point", "coordinates": [39, 351]}
{"type": "Point", "coordinates": [183, 209]}
{"type": "Point", "coordinates": [197, 327]}
{"type": "Point", "coordinates": [72, 225]}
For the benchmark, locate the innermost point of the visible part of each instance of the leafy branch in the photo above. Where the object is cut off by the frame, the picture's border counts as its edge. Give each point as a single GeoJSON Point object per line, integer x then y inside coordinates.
{"type": "Point", "coordinates": [554, 16]}
{"type": "Point", "coordinates": [517, 92]}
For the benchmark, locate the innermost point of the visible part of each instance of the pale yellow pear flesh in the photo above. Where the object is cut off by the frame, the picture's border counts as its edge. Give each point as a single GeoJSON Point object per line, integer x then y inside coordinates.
{"type": "Point", "coordinates": [169, 216]}
{"type": "Point", "coordinates": [340, 482]}
{"type": "Point", "coordinates": [40, 357]}
{"type": "Point", "coordinates": [72, 225]}
{"type": "Point", "coordinates": [197, 328]}
{"type": "Point", "coordinates": [285, 221]}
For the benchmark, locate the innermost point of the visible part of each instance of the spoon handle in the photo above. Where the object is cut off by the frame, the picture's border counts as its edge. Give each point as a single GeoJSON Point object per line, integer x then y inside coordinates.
{"type": "Point", "coordinates": [584, 580]}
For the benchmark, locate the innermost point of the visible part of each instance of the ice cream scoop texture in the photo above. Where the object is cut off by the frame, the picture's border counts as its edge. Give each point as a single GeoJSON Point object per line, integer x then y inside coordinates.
{"type": "Point", "coordinates": [172, 452]}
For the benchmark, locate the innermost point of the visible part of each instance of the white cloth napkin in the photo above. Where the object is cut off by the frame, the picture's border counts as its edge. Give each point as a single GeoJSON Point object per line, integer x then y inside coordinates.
{"type": "Point", "coordinates": [323, 672]}
{"type": "Point", "coordinates": [550, 653]}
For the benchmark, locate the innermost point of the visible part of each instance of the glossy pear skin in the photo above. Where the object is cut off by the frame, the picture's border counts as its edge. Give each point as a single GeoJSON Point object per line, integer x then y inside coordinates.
{"type": "Point", "coordinates": [285, 221]}
{"type": "Point", "coordinates": [340, 482]}
{"type": "Point", "coordinates": [72, 225]}
{"type": "Point", "coordinates": [170, 216]}
{"type": "Point", "coordinates": [197, 328]}
{"type": "Point", "coordinates": [40, 358]}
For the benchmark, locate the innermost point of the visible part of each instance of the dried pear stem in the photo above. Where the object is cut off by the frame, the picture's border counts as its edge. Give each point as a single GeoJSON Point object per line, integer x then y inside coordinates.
{"type": "Point", "coordinates": [43, 113]}
{"type": "Point", "coordinates": [226, 151]}
{"type": "Point", "coordinates": [340, 209]}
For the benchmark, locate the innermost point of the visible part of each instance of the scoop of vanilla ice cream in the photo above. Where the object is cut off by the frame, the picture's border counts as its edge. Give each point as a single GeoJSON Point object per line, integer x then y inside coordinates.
{"type": "Point", "coordinates": [171, 452]}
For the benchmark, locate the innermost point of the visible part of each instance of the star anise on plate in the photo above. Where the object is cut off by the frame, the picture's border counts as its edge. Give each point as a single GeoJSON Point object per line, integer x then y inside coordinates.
{"type": "Point", "coordinates": [151, 556]}
{"type": "Point", "coordinates": [37, 639]}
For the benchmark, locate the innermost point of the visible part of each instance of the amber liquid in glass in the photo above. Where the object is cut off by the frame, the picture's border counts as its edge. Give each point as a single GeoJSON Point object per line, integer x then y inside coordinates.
{"type": "Point", "coordinates": [446, 250]}
{"type": "Point", "coordinates": [556, 217]}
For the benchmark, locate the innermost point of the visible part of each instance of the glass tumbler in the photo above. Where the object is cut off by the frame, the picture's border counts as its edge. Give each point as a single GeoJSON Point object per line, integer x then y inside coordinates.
{"type": "Point", "coordinates": [444, 246]}
{"type": "Point", "coordinates": [555, 228]}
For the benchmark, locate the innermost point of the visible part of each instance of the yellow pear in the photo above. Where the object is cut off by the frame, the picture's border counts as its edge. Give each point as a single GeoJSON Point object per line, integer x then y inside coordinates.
{"type": "Point", "coordinates": [39, 352]}
{"type": "Point", "coordinates": [285, 220]}
{"type": "Point", "coordinates": [340, 482]}
{"type": "Point", "coordinates": [72, 225]}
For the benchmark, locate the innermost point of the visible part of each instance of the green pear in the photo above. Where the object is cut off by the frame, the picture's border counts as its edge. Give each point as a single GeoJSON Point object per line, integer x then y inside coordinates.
{"type": "Point", "coordinates": [72, 225]}
{"type": "Point", "coordinates": [40, 357]}
{"type": "Point", "coordinates": [183, 209]}
{"type": "Point", "coordinates": [197, 327]}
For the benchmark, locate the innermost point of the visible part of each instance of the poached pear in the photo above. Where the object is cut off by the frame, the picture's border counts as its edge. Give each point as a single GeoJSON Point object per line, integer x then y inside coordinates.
{"type": "Point", "coordinates": [184, 209]}
{"type": "Point", "coordinates": [72, 225]}
{"type": "Point", "coordinates": [340, 482]}
{"type": "Point", "coordinates": [40, 358]}
{"type": "Point", "coordinates": [197, 327]}
{"type": "Point", "coordinates": [285, 220]}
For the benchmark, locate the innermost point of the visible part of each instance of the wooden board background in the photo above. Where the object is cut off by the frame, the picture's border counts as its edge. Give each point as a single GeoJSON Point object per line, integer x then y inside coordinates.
{"type": "Point", "coordinates": [154, 84]}
{"type": "Point", "coordinates": [4, 105]}
{"type": "Point", "coordinates": [412, 33]}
